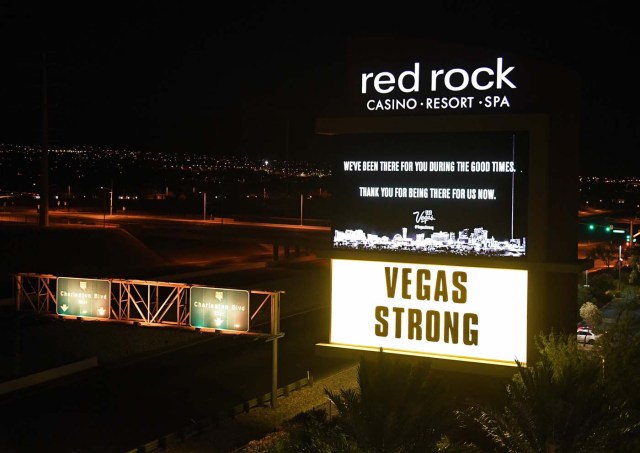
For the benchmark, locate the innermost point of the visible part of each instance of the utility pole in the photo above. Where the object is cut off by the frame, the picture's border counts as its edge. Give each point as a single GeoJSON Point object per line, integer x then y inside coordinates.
{"type": "Point", "coordinates": [204, 206]}
{"type": "Point", "coordinates": [286, 154]}
{"type": "Point", "coordinates": [44, 169]}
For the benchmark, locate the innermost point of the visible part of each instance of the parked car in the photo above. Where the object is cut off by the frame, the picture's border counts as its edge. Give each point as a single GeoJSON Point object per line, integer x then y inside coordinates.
{"type": "Point", "coordinates": [587, 336]}
{"type": "Point", "coordinates": [583, 325]}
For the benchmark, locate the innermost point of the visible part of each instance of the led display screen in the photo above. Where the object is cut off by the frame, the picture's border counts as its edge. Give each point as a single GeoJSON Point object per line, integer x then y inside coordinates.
{"type": "Point", "coordinates": [450, 312]}
{"type": "Point", "coordinates": [457, 194]}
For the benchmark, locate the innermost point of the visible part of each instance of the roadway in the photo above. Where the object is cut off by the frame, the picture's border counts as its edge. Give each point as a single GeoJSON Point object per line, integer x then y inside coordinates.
{"type": "Point", "coordinates": [64, 217]}
{"type": "Point", "coordinates": [180, 240]}
{"type": "Point", "coordinates": [184, 241]}
{"type": "Point", "coordinates": [119, 407]}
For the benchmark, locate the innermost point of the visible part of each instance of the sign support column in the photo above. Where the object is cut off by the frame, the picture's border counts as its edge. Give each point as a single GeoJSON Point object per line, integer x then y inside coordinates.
{"type": "Point", "coordinates": [275, 331]}
{"type": "Point", "coordinates": [18, 292]}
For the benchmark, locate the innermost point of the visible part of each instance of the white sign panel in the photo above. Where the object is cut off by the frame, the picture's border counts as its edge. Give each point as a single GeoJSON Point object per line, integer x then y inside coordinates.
{"type": "Point", "coordinates": [450, 312]}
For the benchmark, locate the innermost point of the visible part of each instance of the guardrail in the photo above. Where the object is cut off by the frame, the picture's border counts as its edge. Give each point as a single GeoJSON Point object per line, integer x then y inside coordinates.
{"type": "Point", "coordinates": [197, 427]}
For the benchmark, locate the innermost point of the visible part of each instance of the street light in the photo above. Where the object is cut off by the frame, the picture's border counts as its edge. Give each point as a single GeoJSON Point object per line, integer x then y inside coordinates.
{"type": "Point", "coordinates": [104, 210]}
{"type": "Point", "coordinates": [619, 265]}
{"type": "Point", "coordinates": [104, 204]}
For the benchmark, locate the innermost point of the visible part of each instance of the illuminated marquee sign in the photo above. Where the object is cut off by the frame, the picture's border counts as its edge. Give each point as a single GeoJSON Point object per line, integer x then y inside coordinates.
{"type": "Point", "coordinates": [456, 194]}
{"type": "Point", "coordinates": [219, 308]}
{"type": "Point", "coordinates": [419, 88]}
{"type": "Point", "coordinates": [449, 312]}
{"type": "Point", "coordinates": [83, 297]}
{"type": "Point", "coordinates": [448, 157]}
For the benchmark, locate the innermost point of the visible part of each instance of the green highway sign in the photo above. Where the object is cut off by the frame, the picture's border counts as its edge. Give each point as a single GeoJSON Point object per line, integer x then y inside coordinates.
{"type": "Point", "coordinates": [83, 297]}
{"type": "Point", "coordinates": [219, 308]}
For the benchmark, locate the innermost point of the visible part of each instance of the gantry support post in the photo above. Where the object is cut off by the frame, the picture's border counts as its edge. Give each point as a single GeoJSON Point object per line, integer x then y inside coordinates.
{"type": "Point", "coordinates": [275, 331]}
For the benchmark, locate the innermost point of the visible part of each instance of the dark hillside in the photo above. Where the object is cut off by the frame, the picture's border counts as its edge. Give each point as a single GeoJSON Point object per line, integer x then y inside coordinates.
{"type": "Point", "coordinates": [91, 252]}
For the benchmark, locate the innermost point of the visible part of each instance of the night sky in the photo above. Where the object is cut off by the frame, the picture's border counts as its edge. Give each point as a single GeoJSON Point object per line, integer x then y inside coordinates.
{"type": "Point", "coordinates": [249, 78]}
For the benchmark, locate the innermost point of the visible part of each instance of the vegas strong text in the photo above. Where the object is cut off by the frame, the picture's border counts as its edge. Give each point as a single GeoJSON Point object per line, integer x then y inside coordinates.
{"type": "Point", "coordinates": [433, 324]}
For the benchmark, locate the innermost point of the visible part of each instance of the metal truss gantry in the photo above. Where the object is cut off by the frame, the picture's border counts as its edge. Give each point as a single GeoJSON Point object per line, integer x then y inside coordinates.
{"type": "Point", "coordinates": [144, 302]}
{"type": "Point", "coordinates": [156, 304]}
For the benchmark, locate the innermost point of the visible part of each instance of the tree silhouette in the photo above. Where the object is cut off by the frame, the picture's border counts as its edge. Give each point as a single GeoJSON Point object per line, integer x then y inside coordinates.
{"type": "Point", "coordinates": [559, 405]}
{"type": "Point", "coordinates": [398, 407]}
{"type": "Point", "coordinates": [620, 349]}
{"type": "Point", "coordinates": [605, 253]}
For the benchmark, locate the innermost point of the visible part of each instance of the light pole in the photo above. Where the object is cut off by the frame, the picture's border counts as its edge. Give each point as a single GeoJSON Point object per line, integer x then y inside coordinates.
{"type": "Point", "coordinates": [204, 206]}
{"type": "Point", "coordinates": [619, 265]}
{"type": "Point", "coordinates": [44, 164]}
{"type": "Point", "coordinates": [301, 207]}
{"type": "Point", "coordinates": [104, 191]}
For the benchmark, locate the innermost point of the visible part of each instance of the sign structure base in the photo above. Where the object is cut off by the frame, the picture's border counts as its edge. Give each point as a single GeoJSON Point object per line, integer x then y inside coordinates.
{"type": "Point", "coordinates": [349, 352]}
